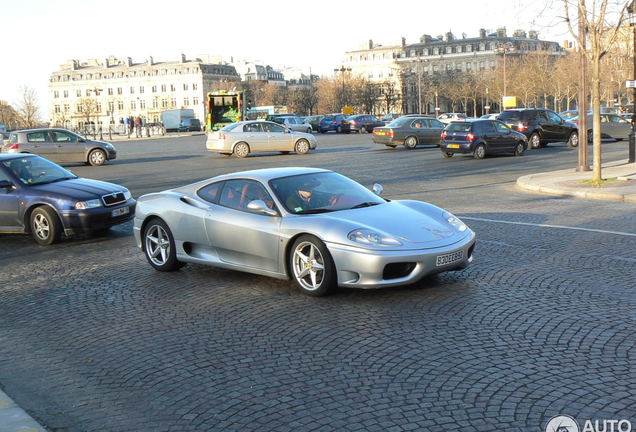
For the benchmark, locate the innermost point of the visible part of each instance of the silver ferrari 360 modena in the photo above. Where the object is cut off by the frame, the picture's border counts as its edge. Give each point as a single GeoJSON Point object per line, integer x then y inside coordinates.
{"type": "Point", "coordinates": [314, 226]}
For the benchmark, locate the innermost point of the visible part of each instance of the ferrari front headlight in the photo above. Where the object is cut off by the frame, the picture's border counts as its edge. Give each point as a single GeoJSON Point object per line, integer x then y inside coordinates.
{"type": "Point", "coordinates": [454, 221]}
{"type": "Point", "coordinates": [372, 238]}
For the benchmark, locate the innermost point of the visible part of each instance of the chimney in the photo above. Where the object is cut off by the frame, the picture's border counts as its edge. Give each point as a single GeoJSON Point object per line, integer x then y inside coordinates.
{"type": "Point", "coordinates": [370, 44]}
{"type": "Point", "coordinates": [183, 58]}
{"type": "Point", "coordinates": [150, 61]}
{"type": "Point", "coordinates": [403, 42]}
{"type": "Point", "coordinates": [105, 64]}
{"type": "Point", "coordinates": [128, 61]}
{"type": "Point", "coordinates": [482, 33]}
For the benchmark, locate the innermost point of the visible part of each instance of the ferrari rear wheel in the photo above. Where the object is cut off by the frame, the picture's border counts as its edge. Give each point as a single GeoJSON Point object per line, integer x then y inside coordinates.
{"type": "Point", "coordinates": [159, 246]}
{"type": "Point", "coordinates": [312, 266]}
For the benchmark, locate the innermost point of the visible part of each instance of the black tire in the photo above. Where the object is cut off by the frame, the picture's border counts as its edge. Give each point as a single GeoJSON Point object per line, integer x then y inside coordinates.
{"type": "Point", "coordinates": [97, 157]}
{"type": "Point", "coordinates": [159, 246]}
{"type": "Point", "coordinates": [339, 129]}
{"type": "Point", "coordinates": [46, 226]}
{"type": "Point", "coordinates": [520, 148]}
{"type": "Point", "coordinates": [410, 142]}
{"type": "Point", "coordinates": [323, 131]}
{"type": "Point", "coordinates": [309, 130]}
{"type": "Point", "coordinates": [311, 266]}
{"type": "Point", "coordinates": [241, 150]}
{"type": "Point", "coordinates": [226, 154]}
{"type": "Point", "coordinates": [285, 152]}
{"type": "Point", "coordinates": [363, 129]}
{"type": "Point", "coordinates": [534, 141]}
{"type": "Point", "coordinates": [573, 139]}
{"type": "Point", "coordinates": [448, 154]}
{"type": "Point", "coordinates": [480, 151]}
{"type": "Point", "coordinates": [390, 146]}
{"type": "Point", "coordinates": [302, 146]}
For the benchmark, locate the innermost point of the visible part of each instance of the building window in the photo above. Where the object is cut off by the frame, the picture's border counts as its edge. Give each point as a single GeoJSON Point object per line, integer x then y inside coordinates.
{"type": "Point", "coordinates": [56, 94]}
{"type": "Point", "coordinates": [78, 93]}
{"type": "Point", "coordinates": [173, 102]}
{"type": "Point", "coordinates": [110, 91]}
{"type": "Point", "coordinates": [185, 87]}
{"type": "Point", "coordinates": [163, 88]}
{"type": "Point", "coordinates": [132, 73]}
{"type": "Point", "coordinates": [155, 103]}
{"type": "Point", "coordinates": [57, 109]}
{"type": "Point", "coordinates": [67, 107]}
{"type": "Point", "coordinates": [111, 106]}
{"type": "Point", "coordinates": [79, 108]}
{"type": "Point", "coordinates": [164, 103]}
{"type": "Point", "coordinates": [186, 101]}
{"type": "Point", "coordinates": [133, 104]}
{"type": "Point", "coordinates": [142, 89]}
{"type": "Point", "coordinates": [153, 89]}
{"type": "Point", "coordinates": [99, 107]}
{"type": "Point", "coordinates": [195, 86]}
{"type": "Point", "coordinates": [195, 101]}
{"type": "Point", "coordinates": [132, 90]}
{"type": "Point", "coordinates": [173, 87]}
{"type": "Point", "coordinates": [120, 105]}
{"type": "Point", "coordinates": [142, 104]}
{"type": "Point", "coordinates": [120, 90]}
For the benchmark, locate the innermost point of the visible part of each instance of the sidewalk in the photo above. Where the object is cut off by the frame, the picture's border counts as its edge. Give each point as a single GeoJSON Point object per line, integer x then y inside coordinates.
{"type": "Point", "coordinates": [14, 419]}
{"type": "Point", "coordinates": [570, 183]}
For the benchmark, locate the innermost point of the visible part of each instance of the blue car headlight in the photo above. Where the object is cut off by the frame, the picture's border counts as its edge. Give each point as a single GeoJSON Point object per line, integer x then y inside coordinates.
{"type": "Point", "coordinates": [372, 238]}
{"type": "Point", "coordinates": [454, 221]}
{"type": "Point", "coordinates": [89, 204]}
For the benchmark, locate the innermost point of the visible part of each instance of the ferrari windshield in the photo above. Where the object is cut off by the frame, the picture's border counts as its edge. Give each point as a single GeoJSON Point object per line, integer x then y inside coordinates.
{"type": "Point", "coordinates": [37, 170]}
{"type": "Point", "coordinates": [322, 192]}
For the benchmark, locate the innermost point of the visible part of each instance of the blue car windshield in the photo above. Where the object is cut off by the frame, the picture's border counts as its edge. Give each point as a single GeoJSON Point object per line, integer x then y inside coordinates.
{"type": "Point", "coordinates": [36, 170]}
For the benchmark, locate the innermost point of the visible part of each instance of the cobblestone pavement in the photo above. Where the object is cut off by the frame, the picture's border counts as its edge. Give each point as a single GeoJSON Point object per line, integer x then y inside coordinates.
{"type": "Point", "coordinates": [542, 324]}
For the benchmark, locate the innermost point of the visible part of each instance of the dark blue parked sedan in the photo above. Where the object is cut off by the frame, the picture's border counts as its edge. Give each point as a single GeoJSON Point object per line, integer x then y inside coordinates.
{"type": "Point", "coordinates": [41, 198]}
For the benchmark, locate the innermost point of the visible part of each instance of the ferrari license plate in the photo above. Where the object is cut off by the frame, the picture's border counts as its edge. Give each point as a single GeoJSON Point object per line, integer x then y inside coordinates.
{"type": "Point", "coordinates": [449, 258]}
{"type": "Point", "coordinates": [453, 146]}
{"type": "Point", "coordinates": [120, 211]}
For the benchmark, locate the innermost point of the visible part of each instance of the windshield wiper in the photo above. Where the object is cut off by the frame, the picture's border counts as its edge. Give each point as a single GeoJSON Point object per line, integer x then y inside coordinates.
{"type": "Point", "coordinates": [365, 204]}
{"type": "Point", "coordinates": [316, 210]}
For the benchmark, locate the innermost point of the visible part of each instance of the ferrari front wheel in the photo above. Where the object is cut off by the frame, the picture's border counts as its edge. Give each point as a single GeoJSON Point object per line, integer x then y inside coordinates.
{"type": "Point", "coordinates": [312, 267]}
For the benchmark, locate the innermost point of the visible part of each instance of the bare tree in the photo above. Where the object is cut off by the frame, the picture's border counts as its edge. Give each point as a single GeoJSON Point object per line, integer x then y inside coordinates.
{"type": "Point", "coordinates": [601, 35]}
{"type": "Point", "coordinates": [9, 116]}
{"type": "Point", "coordinates": [27, 107]}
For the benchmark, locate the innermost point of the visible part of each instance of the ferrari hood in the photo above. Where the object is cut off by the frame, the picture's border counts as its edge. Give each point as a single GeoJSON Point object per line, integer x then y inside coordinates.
{"type": "Point", "coordinates": [416, 227]}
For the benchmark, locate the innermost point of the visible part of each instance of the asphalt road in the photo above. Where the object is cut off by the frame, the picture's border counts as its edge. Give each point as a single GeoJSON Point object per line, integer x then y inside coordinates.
{"type": "Point", "coordinates": [542, 323]}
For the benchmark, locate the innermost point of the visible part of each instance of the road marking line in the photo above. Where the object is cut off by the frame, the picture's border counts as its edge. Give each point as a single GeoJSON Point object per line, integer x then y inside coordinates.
{"type": "Point", "coordinates": [551, 226]}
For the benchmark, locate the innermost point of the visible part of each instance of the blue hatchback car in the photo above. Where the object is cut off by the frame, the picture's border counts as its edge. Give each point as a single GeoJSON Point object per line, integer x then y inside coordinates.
{"type": "Point", "coordinates": [332, 122]}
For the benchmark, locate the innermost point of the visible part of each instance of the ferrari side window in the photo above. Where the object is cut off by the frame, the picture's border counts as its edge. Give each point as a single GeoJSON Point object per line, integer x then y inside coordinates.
{"type": "Point", "coordinates": [210, 192]}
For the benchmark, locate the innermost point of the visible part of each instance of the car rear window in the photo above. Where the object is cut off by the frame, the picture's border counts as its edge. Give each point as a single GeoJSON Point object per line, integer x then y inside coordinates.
{"type": "Point", "coordinates": [510, 115]}
{"type": "Point", "coordinates": [459, 127]}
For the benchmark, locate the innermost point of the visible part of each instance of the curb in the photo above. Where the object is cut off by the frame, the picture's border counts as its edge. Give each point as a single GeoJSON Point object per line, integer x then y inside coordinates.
{"type": "Point", "coordinates": [14, 419]}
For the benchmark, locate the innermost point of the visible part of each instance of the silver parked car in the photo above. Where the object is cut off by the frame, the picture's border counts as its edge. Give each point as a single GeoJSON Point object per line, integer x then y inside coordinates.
{"type": "Point", "coordinates": [60, 146]}
{"type": "Point", "coordinates": [314, 226]}
{"type": "Point", "coordinates": [294, 123]}
{"type": "Point", "coordinates": [245, 137]}
{"type": "Point", "coordinates": [612, 127]}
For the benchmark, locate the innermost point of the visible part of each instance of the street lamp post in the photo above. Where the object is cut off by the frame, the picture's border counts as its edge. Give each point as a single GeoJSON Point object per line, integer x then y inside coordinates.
{"type": "Point", "coordinates": [632, 135]}
{"type": "Point", "coordinates": [504, 48]}
{"type": "Point", "coordinates": [342, 71]}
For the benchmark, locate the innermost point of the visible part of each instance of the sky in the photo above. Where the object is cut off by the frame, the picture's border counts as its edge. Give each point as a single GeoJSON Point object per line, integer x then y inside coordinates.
{"type": "Point", "coordinates": [40, 35]}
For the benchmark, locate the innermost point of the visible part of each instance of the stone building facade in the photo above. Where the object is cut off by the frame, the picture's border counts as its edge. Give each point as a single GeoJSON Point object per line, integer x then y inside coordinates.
{"type": "Point", "coordinates": [100, 93]}
{"type": "Point", "coordinates": [438, 54]}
